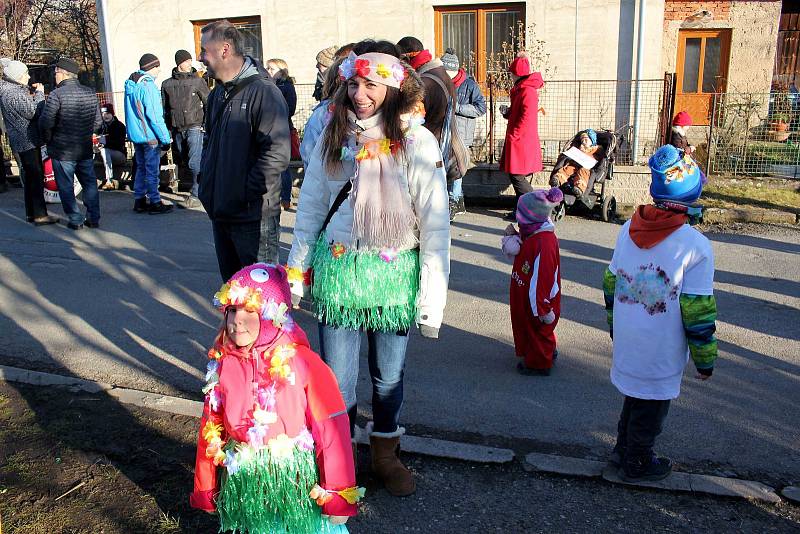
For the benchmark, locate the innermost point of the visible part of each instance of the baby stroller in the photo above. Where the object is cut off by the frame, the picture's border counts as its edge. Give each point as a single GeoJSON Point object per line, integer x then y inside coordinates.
{"type": "Point", "coordinates": [596, 197]}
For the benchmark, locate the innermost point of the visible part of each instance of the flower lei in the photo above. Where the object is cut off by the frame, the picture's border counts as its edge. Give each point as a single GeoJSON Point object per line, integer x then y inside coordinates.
{"type": "Point", "coordinates": [253, 300]}
{"type": "Point", "coordinates": [353, 66]}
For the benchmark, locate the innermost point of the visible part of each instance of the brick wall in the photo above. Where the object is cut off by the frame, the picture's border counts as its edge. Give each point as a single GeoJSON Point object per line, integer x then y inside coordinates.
{"type": "Point", "coordinates": [682, 9]}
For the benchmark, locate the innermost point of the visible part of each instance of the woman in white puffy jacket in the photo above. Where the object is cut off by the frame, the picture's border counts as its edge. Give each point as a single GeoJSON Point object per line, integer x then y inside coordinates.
{"type": "Point", "coordinates": [372, 237]}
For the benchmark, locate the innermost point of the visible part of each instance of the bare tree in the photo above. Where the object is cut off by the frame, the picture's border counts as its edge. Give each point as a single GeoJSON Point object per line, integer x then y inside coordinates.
{"type": "Point", "coordinates": [20, 26]}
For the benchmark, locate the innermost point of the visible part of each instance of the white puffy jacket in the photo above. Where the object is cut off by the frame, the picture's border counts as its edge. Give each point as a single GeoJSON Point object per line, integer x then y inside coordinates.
{"type": "Point", "coordinates": [424, 181]}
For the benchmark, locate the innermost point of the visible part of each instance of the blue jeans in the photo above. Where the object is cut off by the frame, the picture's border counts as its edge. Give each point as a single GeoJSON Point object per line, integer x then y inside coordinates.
{"type": "Point", "coordinates": [270, 238]}
{"type": "Point", "coordinates": [190, 141]}
{"type": "Point", "coordinates": [455, 190]}
{"type": "Point", "coordinates": [286, 186]}
{"type": "Point", "coordinates": [340, 349]}
{"type": "Point", "coordinates": [84, 169]}
{"type": "Point", "coordinates": [148, 164]}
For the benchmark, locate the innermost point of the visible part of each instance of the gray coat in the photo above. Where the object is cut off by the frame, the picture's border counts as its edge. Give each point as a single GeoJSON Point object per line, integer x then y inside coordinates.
{"type": "Point", "coordinates": [19, 109]}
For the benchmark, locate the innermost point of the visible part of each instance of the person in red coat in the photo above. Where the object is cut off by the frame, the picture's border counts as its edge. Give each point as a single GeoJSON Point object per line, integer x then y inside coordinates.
{"type": "Point", "coordinates": [535, 281]}
{"type": "Point", "coordinates": [522, 153]}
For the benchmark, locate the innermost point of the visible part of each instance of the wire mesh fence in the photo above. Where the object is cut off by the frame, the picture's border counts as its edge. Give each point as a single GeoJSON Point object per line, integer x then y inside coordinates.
{"type": "Point", "coordinates": [755, 134]}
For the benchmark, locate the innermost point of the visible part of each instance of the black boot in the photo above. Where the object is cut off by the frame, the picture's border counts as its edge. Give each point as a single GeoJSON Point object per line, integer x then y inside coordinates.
{"type": "Point", "coordinates": [645, 468]}
{"type": "Point", "coordinates": [140, 205]}
{"type": "Point", "coordinates": [159, 207]}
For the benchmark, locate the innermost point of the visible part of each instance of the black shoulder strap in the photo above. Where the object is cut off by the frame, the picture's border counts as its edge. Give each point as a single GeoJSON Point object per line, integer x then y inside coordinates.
{"type": "Point", "coordinates": [238, 87]}
{"type": "Point", "coordinates": [340, 198]}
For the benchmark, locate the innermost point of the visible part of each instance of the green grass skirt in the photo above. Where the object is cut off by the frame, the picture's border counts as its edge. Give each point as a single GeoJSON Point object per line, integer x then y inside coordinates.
{"type": "Point", "coordinates": [361, 291]}
{"type": "Point", "coordinates": [271, 495]}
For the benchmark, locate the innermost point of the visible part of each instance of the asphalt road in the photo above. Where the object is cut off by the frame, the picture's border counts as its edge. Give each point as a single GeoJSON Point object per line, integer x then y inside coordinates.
{"type": "Point", "coordinates": [130, 304]}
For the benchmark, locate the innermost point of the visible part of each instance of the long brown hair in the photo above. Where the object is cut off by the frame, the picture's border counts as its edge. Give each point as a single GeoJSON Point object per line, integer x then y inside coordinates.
{"type": "Point", "coordinates": [396, 103]}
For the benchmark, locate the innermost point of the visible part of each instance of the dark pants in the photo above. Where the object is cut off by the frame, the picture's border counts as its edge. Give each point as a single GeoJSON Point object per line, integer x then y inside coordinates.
{"type": "Point", "coordinates": [640, 422]}
{"type": "Point", "coordinates": [65, 171]}
{"type": "Point", "coordinates": [34, 184]}
{"type": "Point", "coordinates": [187, 147]}
{"type": "Point", "coordinates": [236, 245]}
{"type": "Point", "coordinates": [521, 184]}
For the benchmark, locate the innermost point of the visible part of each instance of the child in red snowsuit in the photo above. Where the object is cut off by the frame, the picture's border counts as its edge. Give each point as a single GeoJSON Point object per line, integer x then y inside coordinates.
{"type": "Point", "coordinates": [273, 419]}
{"type": "Point", "coordinates": [535, 281]}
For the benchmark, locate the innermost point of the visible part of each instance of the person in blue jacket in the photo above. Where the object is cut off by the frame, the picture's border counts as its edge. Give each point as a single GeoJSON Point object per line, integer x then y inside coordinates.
{"type": "Point", "coordinates": [144, 117]}
{"type": "Point", "coordinates": [470, 105]}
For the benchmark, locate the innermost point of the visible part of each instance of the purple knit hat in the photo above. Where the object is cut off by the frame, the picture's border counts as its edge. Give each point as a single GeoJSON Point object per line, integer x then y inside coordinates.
{"type": "Point", "coordinates": [536, 206]}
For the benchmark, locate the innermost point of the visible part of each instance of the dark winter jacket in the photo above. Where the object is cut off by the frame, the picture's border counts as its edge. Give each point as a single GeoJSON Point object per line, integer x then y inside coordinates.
{"type": "Point", "coordinates": [245, 149]}
{"type": "Point", "coordinates": [290, 96]}
{"type": "Point", "coordinates": [115, 133]}
{"type": "Point", "coordinates": [184, 97]}
{"type": "Point", "coordinates": [19, 109]}
{"type": "Point", "coordinates": [470, 105]}
{"type": "Point", "coordinates": [679, 141]}
{"type": "Point", "coordinates": [71, 115]}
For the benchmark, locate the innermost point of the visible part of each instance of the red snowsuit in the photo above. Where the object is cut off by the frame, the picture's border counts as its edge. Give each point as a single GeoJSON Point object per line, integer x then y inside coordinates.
{"type": "Point", "coordinates": [535, 291]}
{"type": "Point", "coordinates": [310, 400]}
{"type": "Point", "coordinates": [522, 152]}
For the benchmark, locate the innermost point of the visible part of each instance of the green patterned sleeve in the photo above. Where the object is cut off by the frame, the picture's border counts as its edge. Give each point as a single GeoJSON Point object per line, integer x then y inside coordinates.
{"type": "Point", "coordinates": [699, 314]}
{"type": "Point", "coordinates": [609, 286]}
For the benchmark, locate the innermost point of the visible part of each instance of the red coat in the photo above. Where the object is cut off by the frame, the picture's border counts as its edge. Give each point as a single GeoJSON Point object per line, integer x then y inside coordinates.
{"type": "Point", "coordinates": [522, 153]}
{"type": "Point", "coordinates": [535, 291]}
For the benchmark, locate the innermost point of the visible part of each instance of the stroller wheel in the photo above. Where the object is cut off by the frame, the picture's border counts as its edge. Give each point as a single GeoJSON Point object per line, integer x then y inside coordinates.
{"type": "Point", "coordinates": [609, 209]}
{"type": "Point", "coordinates": [559, 212]}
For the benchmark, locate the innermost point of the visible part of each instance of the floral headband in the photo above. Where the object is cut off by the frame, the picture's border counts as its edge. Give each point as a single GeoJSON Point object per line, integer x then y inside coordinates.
{"type": "Point", "coordinates": [253, 300]}
{"type": "Point", "coordinates": [374, 66]}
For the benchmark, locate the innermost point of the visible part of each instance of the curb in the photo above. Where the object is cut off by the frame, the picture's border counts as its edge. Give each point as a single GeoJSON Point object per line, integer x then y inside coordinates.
{"type": "Point", "coordinates": [677, 481]}
{"type": "Point", "coordinates": [545, 463]}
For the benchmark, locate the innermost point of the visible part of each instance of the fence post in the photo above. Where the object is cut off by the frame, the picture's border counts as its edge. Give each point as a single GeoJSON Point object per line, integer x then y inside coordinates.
{"type": "Point", "coordinates": [490, 80]}
{"type": "Point", "coordinates": [711, 142]}
{"type": "Point", "coordinates": [578, 122]}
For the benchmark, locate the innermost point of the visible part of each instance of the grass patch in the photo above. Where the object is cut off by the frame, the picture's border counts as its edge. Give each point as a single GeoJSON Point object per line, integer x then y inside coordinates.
{"type": "Point", "coordinates": [735, 196]}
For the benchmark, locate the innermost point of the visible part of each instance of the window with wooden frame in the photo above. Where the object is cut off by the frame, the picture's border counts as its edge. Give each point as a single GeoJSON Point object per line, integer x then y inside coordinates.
{"type": "Point", "coordinates": [702, 70]}
{"type": "Point", "coordinates": [250, 28]}
{"type": "Point", "coordinates": [476, 31]}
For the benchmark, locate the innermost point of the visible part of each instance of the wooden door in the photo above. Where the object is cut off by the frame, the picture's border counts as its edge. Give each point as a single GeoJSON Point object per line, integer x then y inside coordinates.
{"type": "Point", "coordinates": [702, 70]}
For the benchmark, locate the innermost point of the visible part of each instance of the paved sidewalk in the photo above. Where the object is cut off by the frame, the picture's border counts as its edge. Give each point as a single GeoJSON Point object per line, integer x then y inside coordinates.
{"type": "Point", "coordinates": [130, 305]}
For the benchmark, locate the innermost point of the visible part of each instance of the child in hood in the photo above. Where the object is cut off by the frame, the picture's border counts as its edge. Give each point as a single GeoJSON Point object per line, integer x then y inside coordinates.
{"type": "Point", "coordinates": [659, 296]}
{"type": "Point", "coordinates": [573, 172]}
{"type": "Point", "coordinates": [535, 281]}
{"type": "Point", "coordinates": [273, 419]}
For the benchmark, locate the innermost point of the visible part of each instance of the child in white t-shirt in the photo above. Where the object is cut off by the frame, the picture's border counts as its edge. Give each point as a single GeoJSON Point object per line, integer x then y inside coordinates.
{"type": "Point", "coordinates": [659, 293]}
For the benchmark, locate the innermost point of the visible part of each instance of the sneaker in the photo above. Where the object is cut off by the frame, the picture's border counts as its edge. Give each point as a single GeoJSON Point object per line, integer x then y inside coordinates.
{"type": "Point", "coordinates": [89, 224]}
{"type": "Point", "coordinates": [140, 205]}
{"type": "Point", "coordinates": [159, 207]}
{"type": "Point", "coordinates": [74, 226]}
{"type": "Point", "coordinates": [460, 207]}
{"type": "Point", "coordinates": [527, 371]}
{"type": "Point", "coordinates": [44, 220]}
{"type": "Point", "coordinates": [452, 208]}
{"type": "Point", "coordinates": [190, 202]}
{"type": "Point", "coordinates": [646, 470]}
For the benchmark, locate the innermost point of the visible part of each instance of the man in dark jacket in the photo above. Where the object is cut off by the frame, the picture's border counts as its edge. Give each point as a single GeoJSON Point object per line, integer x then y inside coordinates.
{"type": "Point", "coordinates": [184, 97]}
{"type": "Point", "coordinates": [71, 115]}
{"type": "Point", "coordinates": [246, 147]}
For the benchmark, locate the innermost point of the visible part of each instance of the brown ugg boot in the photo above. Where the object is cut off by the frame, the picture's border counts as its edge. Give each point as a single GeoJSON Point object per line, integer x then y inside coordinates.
{"type": "Point", "coordinates": [387, 466]}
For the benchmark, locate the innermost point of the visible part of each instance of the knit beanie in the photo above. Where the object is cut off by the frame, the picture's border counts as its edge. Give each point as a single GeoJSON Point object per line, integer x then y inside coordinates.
{"type": "Point", "coordinates": [682, 119]}
{"type": "Point", "coordinates": [181, 56]}
{"type": "Point", "coordinates": [450, 60]}
{"type": "Point", "coordinates": [263, 288]}
{"type": "Point", "coordinates": [521, 66]}
{"type": "Point", "coordinates": [326, 56]}
{"type": "Point", "coordinates": [675, 176]}
{"type": "Point", "coordinates": [536, 206]}
{"type": "Point", "coordinates": [107, 108]}
{"type": "Point", "coordinates": [148, 61]}
{"type": "Point", "coordinates": [67, 64]}
{"type": "Point", "coordinates": [592, 135]}
{"type": "Point", "coordinates": [15, 70]}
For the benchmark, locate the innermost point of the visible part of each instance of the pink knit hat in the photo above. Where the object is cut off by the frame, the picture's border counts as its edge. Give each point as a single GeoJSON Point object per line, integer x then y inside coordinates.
{"type": "Point", "coordinates": [536, 206]}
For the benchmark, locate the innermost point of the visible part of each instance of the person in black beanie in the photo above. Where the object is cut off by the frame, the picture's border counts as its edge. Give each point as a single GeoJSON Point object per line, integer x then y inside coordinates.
{"type": "Point", "coordinates": [144, 118]}
{"type": "Point", "coordinates": [184, 96]}
{"type": "Point", "coordinates": [71, 115]}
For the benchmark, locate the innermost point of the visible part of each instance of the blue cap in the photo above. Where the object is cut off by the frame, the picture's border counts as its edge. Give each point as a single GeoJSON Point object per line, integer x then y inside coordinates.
{"type": "Point", "coordinates": [592, 135]}
{"type": "Point", "coordinates": [676, 176]}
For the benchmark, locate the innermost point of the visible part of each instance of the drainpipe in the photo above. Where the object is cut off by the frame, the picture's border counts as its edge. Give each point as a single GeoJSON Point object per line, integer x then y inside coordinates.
{"type": "Point", "coordinates": [105, 46]}
{"type": "Point", "coordinates": [639, 67]}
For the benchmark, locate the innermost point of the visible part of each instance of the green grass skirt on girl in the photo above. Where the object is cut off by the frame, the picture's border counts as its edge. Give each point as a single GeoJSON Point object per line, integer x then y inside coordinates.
{"type": "Point", "coordinates": [364, 291]}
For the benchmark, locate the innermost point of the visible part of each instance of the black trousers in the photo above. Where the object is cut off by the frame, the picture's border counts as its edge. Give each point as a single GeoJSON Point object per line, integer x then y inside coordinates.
{"type": "Point", "coordinates": [236, 245]}
{"type": "Point", "coordinates": [521, 184]}
{"type": "Point", "coordinates": [34, 183]}
{"type": "Point", "coordinates": [640, 422]}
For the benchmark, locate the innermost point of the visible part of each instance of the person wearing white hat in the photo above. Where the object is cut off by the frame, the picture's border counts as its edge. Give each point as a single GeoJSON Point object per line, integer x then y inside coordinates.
{"type": "Point", "coordinates": [18, 108]}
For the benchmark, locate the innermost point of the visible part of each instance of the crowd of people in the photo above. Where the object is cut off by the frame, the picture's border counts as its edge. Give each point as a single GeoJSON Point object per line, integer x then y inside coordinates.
{"type": "Point", "coordinates": [384, 156]}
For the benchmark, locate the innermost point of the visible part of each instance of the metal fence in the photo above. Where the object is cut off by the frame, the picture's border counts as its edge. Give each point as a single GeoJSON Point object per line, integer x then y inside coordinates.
{"type": "Point", "coordinates": [755, 134]}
